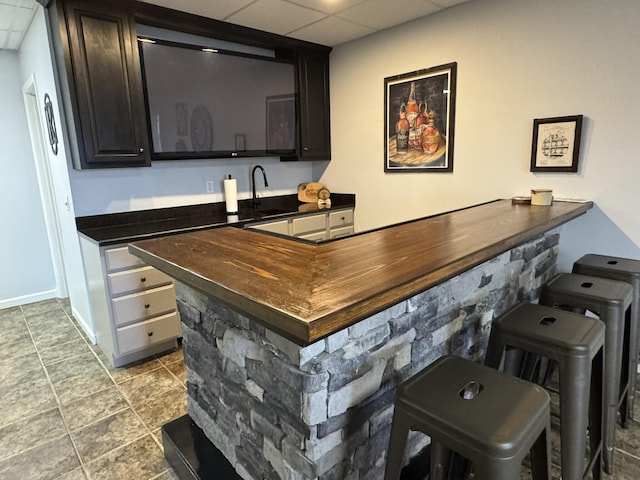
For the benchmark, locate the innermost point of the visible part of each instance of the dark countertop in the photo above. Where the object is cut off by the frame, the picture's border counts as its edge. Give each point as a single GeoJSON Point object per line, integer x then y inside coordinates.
{"type": "Point", "coordinates": [308, 291]}
{"type": "Point", "coordinates": [114, 228]}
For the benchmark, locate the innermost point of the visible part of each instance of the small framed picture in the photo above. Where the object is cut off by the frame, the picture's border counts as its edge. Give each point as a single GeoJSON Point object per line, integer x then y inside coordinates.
{"type": "Point", "coordinates": [182, 119]}
{"type": "Point", "coordinates": [281, 122]}
{"type": "Point", "coordinates": [241, 142]}
{"type": "Point", "coordinates": [556, 144]}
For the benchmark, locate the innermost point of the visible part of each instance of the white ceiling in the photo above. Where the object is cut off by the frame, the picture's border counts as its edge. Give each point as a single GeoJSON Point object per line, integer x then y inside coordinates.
{"type": "Point", "coordinates": [15, 18]}
{"type": "Point", "coordinates": [327, 22]}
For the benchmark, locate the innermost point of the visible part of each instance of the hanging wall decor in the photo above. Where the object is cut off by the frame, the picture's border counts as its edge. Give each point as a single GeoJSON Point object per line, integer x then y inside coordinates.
{"type": "Point", "coordinates": [556, 144]}
{"type": "Point", "coordinates": [51, 123]}
{"type": "Point", "coordinates": [419, 120]}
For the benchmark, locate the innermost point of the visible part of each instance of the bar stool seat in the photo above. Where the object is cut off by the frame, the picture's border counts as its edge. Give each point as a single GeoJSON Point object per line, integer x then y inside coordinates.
{"type": "Point", "coordinates": [488, 417]}
{"type": "Point", "coordinates": [611, 300]}
{"type": "Point", "coordinates": [623, 270]}
{"type": "Point", "coordinates": [575, 342]}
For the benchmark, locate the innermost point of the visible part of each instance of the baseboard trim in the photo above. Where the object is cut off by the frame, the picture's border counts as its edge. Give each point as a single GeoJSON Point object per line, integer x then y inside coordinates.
{"type": "Point", "coordinates": [31, 298]}
{"type": "Point", "coordinates": [91, 335]}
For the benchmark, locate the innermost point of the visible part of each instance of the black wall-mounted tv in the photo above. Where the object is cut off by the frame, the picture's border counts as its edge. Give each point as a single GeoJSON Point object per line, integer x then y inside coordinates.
{"type": "Point", "coordinates": [207, 102]}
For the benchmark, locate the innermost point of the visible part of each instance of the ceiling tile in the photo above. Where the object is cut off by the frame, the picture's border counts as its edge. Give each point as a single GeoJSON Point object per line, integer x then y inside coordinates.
{"type": "Point", "coordinates": [382, 14]}
{"type": "Point", "coordinates": [331, 31]}
{"type": "Point", "coordinates": [448, 3]}
{"type": "Point", "coordinates": [275, 16]}
{"type": "Point", "coordinates": [6, 16]}
{"type": "Point", "coordinates": [22, 19]}
{"type": "Point", "coordinates": [327, 6]}
{"type": "Point", "coordinates": [218, 9]}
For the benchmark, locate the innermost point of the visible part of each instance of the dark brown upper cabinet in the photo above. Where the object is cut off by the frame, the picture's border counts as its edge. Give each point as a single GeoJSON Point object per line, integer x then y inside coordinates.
{"type": "Point", "coordinates": [98, 61]}
{"type": "Point", "coordinates": [315, 129]}
{"type": "Point", "coordinates": [104, 86]}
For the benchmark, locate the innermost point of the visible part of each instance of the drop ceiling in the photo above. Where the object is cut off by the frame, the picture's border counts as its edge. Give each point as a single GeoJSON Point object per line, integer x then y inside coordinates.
{"type": "Point", "coordinates": [327, 22]}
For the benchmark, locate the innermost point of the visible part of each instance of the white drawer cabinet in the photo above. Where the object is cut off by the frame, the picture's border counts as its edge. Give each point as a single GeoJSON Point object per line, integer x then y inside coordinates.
{"type": "Point", "coordinates": [341, 218]}
{"type": "Point", "coordinates": [148, 333]}
{"type": "Point", "coordinates": [119, 258]}
{"type": "Point", "coordinates": [314, 226]}
{"type": "Point", "coordinates": [133, 304]}
{"type": "Point", "coordinates": [280, 226]}
{"type": "Point", "coordinates": [142, 305]}
{"type": "Point", "coordinates": [309, 223]}
{"type": "Point", "coordinates": [341, 231]}
{"type": "Point", "coordinates": [137, 279]}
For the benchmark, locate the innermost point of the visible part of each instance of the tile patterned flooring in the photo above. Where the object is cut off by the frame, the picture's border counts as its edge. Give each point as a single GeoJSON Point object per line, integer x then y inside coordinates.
{"type": "Point", "coordinates": [66, 414]}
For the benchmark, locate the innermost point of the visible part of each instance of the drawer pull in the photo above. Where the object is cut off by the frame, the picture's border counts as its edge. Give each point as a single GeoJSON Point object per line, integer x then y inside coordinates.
{"type": "Point", "coordinates": [342, 218]}
{"type": "Point", "coordinates": [143, 279]}
{"type": "Point", "coordinates": [150, 334]}
{"type": "Point", "coordinates": [146, 305]}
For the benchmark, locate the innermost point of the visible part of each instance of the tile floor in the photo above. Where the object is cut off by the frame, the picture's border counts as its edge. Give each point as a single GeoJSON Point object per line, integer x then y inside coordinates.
{"type": "Point", "coordinates": [65, 414]}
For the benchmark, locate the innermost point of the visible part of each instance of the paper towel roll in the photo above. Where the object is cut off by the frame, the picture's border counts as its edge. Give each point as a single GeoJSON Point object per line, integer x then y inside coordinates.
{"type": "Point", "coordinates": [231, 195]}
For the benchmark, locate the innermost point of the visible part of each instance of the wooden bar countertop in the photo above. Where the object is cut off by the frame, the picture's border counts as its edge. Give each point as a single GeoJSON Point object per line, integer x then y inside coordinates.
{"type": "Point", "coordinates": [308, 291]}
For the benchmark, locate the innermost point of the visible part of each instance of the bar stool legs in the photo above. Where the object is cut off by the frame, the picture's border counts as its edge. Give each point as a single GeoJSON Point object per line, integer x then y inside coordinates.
{"type": "Point", "coordinates": [611, 300]}
{"type": "Point", "coordinates": [576, 343]}
{"type": "Point", "coordinates": [488, 417]}
{"type": "Point", "coordinates": [624, 270]}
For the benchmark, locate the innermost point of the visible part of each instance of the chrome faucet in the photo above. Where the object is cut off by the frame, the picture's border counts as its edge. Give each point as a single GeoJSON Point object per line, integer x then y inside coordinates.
{"type": "Point", "coordinates": [253, 183]}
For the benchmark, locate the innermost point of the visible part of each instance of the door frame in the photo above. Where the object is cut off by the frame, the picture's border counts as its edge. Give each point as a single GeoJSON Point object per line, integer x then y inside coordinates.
{"type": "Point", "coordinates": [45, 182]}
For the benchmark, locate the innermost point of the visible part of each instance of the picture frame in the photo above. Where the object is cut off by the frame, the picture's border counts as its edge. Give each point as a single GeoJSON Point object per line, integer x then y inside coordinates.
{"type": "Point", "coordinates": [281, 123]}
{"type": "Point", "coordinates": [426, 99]}
{"type": "Point", "coordinates": [182, 119]}
{"type": "Point", "coordinates": [241, 142]}
{"type": "Point", "coordinates": [556, 144]}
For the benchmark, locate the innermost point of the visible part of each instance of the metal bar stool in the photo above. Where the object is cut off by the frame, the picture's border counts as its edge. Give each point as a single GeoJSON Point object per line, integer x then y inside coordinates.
{"type": "Point", "coordinates": [575, 342]}
{"type": "Point", "coordinates": [488, 417]}
{"type": "Point", "coordinates": [623, 270]}
{"type": "Point", "coordinates": [611, 300]}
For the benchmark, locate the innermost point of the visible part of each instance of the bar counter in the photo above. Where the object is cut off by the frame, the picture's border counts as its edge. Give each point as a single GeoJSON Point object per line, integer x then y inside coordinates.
{"type": "Point", "coordinates": [306, 292]}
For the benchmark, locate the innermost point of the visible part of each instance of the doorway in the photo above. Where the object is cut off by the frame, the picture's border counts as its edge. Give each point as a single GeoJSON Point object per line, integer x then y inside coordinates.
{"type": "Point", "coordinates": [45, 183]}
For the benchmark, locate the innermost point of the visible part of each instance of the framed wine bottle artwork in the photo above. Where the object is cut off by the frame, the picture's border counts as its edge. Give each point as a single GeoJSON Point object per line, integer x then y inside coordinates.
{"type": "Point", "coordinates": [420, 120]}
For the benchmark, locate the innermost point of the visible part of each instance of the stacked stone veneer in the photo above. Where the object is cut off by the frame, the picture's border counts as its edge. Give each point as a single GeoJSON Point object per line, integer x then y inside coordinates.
{"type": "Point", "coordinates": [280, 411]}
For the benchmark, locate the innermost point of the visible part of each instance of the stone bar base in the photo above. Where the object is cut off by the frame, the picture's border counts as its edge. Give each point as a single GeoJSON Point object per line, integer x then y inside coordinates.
{"type": "Point", "coordinates": [280, 411]}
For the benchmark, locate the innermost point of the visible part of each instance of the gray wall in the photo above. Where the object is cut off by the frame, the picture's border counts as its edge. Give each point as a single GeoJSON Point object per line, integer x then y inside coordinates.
{"type": "Point", "coordinates": [516, 61]}
{"type": "Point", "coordinates": [25, 259]}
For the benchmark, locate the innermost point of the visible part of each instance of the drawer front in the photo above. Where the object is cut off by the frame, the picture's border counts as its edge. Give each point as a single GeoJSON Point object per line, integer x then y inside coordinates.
{"type": "Point", "coordinates": [341, 232]}
{"type": "Point", "coordinates": [141, 305]}
{"type": "Point", "coordinates": [120, 258]}
{"type": "Point", "coordinates": [130, 281]}
{"type": "Point", "coordinates": [281, 226]}
{"type": "Point", "coordinates": [144, 334]}
{"type": "Point", "coordinates": [310, 223]}
{"type": "Point", "coordinates": [341, 218]}
{"type": "Point", "coordinates": [314, 236]}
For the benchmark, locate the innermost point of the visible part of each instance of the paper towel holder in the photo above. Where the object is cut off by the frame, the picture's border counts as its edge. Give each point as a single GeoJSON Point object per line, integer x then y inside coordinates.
{"type": "Point", "coordinates": [231, 195]}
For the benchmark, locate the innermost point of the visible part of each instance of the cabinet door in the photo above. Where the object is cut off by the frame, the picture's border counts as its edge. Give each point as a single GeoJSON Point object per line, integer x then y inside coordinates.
{"type": "Point", "coordinates": [309, 223]}
{"type": "Point", "coordinates": [313, 74]}
{"type": "Point", "coordinates": [105, 76]}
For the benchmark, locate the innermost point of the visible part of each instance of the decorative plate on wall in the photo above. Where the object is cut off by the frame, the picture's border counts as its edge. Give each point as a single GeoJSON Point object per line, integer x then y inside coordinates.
{"type": "Point", "coordinates": [201, 130]}
{"type": "Point", "coordinates": [51, 124]}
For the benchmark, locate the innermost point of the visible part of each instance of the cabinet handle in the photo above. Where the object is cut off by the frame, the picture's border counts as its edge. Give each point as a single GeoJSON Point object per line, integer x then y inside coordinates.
{"type": "Point", "coordinates": [149, 334]}
{"type": "Point", "coordinates": [142, 150]}
{"type": "Point", "coordinates": [342, 218]}
{"type": "Point", "coordinates": [144, 279]}
{"type": "Point", "coordinates": [305, 149]}
{"type": "Point", "coordinates": [146, 305]}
